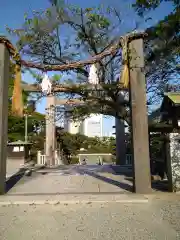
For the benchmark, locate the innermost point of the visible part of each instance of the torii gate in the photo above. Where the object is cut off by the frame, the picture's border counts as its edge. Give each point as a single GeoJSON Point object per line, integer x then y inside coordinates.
{"type": "Point", "coordinates": [134, 41]}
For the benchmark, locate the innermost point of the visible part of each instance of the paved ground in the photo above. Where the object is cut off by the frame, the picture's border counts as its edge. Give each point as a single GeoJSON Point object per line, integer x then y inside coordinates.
{"type": "Point", "coordinates": [78, 179]}
{"type": "Point", "coordinates": [89, 217]}
{"type": "Point", "coordinates": [12, 167]}
{"type": "Point", "coordinates": [72, 179]}
{"type": "Point", "coordinates": [158, 219]}
{"type": "Point", "coordinates": [54, 184]}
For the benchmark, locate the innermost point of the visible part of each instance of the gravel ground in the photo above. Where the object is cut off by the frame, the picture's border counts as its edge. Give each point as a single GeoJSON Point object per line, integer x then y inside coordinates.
{"type": "Point", "coordinates": [158, 219]}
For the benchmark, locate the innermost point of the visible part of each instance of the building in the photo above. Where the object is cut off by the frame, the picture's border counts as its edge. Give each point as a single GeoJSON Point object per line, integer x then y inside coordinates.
{"type": "Point", "coordinates": [69, 125]}
{"type": "Point", "coordinates": [72, 127]}
{"type": "Point", "coordinates": [93, 126]}
{"type": "Point", "coordinates": [19, 150]}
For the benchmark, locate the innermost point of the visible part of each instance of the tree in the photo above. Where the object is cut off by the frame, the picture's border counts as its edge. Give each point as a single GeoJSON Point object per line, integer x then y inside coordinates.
{"type": "Point", "coordinates": [144, 6]}
{"type": "Point", "coordinates": [162, 49]}
{"type": "Point", "coordinates": [16, 126]}
{"type": "Point", "coordinates": [90, 31]}
{"type": "Point", "coordinates": [72, 143]}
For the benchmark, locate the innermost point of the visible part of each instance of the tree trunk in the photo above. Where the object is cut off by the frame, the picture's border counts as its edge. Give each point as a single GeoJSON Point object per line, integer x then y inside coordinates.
{"type": "Point", "coordinates": [120, 142]}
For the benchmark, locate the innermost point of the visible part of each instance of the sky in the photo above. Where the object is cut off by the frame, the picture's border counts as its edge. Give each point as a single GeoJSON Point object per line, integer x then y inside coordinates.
{"type": "Point", "coordinates": [12, 15]}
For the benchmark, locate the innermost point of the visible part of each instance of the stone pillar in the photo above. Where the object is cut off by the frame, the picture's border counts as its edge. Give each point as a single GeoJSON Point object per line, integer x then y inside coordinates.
{"type": "Point", "coordinates": [174, 162]}
{"type": "Point", "coordinates": [4, 79]}
{"type": "Point", "coordinates": [140, 139]}
{"type": "Point", "coordinates": [50, 130]}
{"type": "Point", "coordinates": [120, 142]}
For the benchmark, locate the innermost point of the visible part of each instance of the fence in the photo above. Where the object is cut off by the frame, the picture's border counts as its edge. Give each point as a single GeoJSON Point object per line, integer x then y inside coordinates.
{"type": "Point", "coordinates": [42, 159]}
{"type": "Point", "coordinates": [93, 158]}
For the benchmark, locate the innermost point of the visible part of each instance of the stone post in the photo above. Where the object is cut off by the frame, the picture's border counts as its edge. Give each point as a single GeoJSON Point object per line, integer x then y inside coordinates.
{"type": "Point", "coordinates": [140, 139]}
{"type": "Point", "coordinates": [50, 130]}
{"type": "Point", "coordinates": [4, 79]}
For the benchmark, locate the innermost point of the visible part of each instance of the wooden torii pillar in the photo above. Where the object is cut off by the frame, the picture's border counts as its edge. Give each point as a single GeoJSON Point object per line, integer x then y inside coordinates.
{"type": "Point", "coordinates": [139, 117]}
{"type": "Point", "coordinates": [4, 79]}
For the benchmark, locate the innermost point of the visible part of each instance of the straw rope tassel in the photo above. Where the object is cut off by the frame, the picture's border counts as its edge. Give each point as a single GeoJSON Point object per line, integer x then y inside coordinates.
{"type": "Point", "coordinates": [17, 102]}
{"type": "Point", "coordinates": [124, 79]}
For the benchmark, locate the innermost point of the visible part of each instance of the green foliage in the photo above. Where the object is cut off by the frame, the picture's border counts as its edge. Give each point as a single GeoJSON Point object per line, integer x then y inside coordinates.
{"type": "Point", "coordinates": [89, 32]}
{"type": "Point", "coordinates": [156, 146]}
{"type": "Point", "coordinates": [72, 143]}
{"type": "Point", "coordinates": [16, 126]}
{"type": "Point", "coordinates": [143, 6]}
{"type": "Point", "coordinates": [162, 49]}
{"type": "Point", "coordinates": [37, 141]}
{"type": "Point", "coordinates": [74, 160]}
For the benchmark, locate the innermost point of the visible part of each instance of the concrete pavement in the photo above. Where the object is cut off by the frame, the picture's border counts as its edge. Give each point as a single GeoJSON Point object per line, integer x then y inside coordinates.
{"type": "Point", "coordinates": [77, 179]}
{"type": "Point", "coordinates": [12, 167]}
{"type": "Point", "coordinates": [158, 219]}
{"type": "Point", "coordinates": [49, 184]}
{"type": "Point", "coordinates": [86, 204]}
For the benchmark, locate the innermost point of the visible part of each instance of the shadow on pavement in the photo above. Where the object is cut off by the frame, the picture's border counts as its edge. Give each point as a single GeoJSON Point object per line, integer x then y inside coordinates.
{"type": "Point", "coordinates": [13, 180]}
{"type": "Point", "coordinates": [117, 170]}
{"type": "Point", "coordinates": [157, 185]}
{"type": "Point", "coordinates": [121, 185]}
{"type": "Point", "coordinates": [160, 185]}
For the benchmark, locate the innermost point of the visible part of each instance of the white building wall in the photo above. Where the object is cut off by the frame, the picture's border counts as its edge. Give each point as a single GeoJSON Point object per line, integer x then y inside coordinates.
{"type": "Point", "coordinates": [74, 127]}
{"type": "Point", "coordinates": [93, 126]}
{"type": "Point", "coordinates": [71, 126]}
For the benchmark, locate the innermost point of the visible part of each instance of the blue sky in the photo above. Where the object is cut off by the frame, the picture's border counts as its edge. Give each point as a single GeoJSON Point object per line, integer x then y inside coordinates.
{"type": "Point", "coordinates": [12, 15]}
